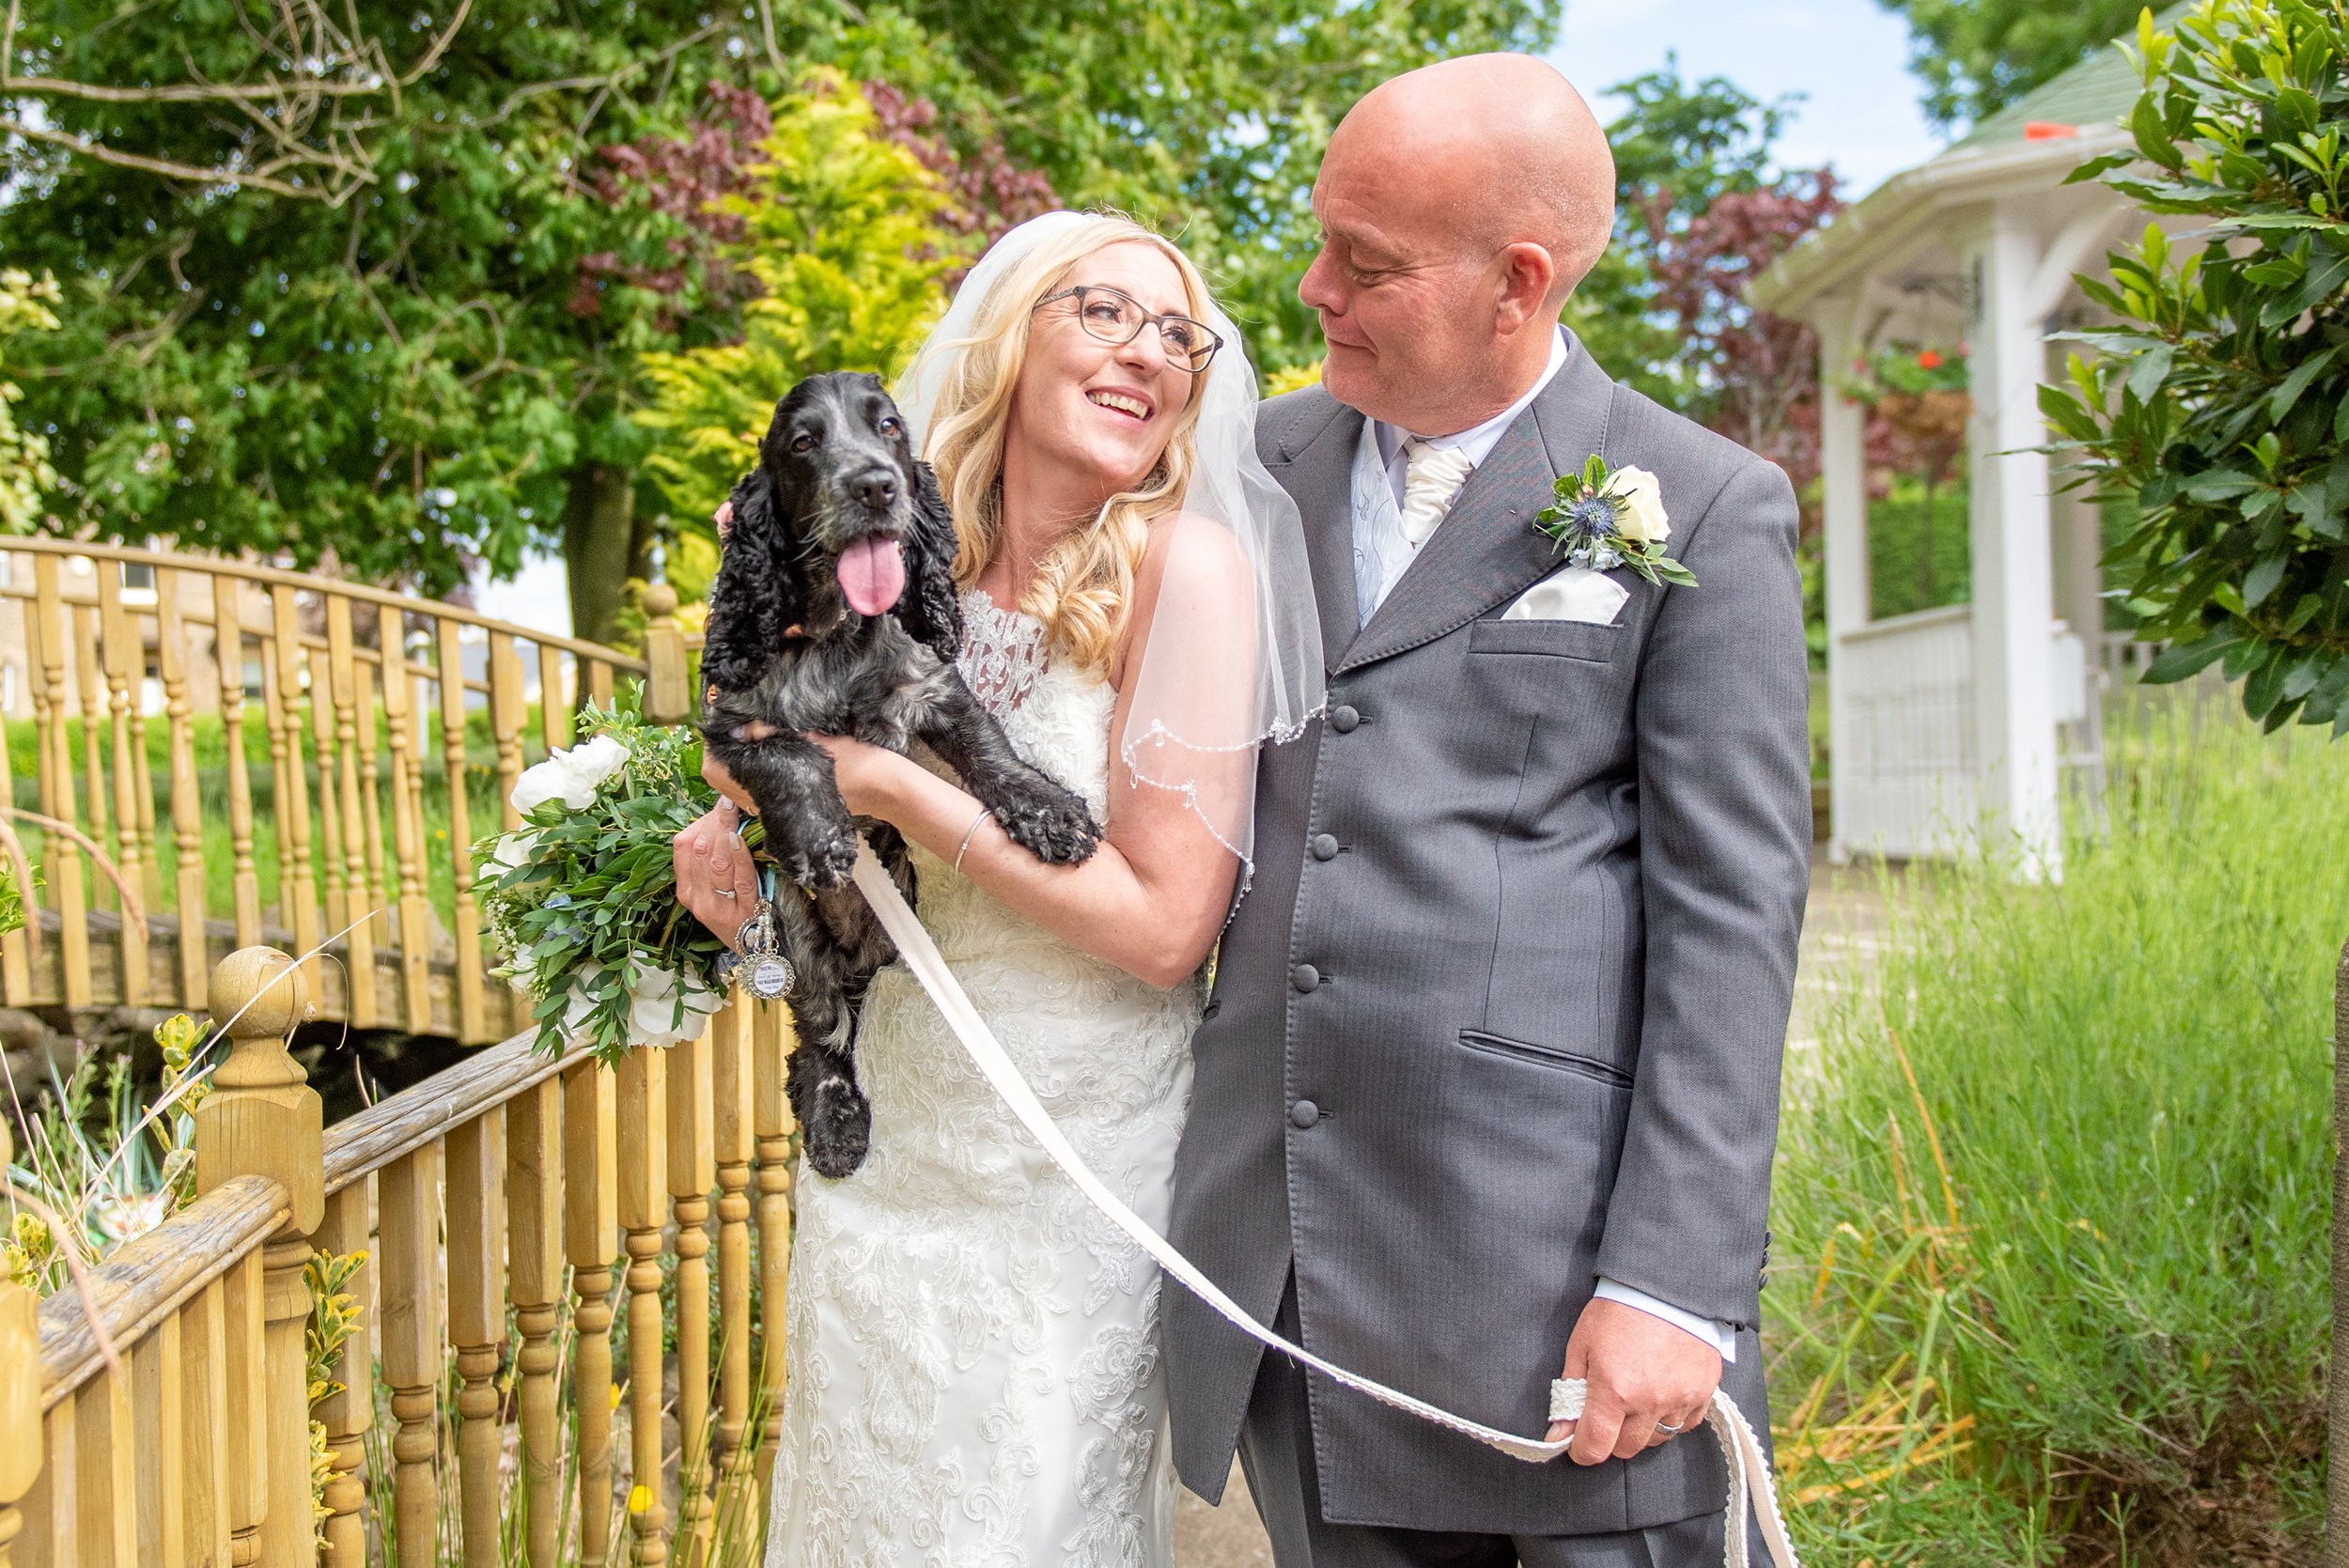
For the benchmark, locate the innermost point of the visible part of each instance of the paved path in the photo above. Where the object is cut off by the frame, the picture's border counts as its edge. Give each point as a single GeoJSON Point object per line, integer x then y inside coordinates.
{"type": "Point", "coordinates": [1845, 926]}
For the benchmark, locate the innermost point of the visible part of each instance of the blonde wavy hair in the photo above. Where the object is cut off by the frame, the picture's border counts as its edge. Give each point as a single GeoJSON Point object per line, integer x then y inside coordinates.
{"type": "Point", "coordinates": [1083, 590]}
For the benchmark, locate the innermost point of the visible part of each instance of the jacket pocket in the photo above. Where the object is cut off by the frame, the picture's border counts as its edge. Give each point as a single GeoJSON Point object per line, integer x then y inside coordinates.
{"type": "Point", "coordinates": [1547, 1056]}
{"type": "Point", "coordinates": [1584, 639]}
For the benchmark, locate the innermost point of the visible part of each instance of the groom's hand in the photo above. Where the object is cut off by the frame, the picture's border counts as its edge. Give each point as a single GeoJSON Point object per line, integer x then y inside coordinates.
{"type": "Point", "coordinates": [1642, 1374]}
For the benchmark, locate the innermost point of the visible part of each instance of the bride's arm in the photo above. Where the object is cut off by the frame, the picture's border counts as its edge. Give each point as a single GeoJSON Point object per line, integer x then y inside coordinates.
{"type": "Point", "coordinates": [1153, 896]}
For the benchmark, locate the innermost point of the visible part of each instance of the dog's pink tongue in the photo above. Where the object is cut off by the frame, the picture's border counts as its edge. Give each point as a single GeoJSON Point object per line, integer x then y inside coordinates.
{"type": "Point", "coordinates": [872, 575]}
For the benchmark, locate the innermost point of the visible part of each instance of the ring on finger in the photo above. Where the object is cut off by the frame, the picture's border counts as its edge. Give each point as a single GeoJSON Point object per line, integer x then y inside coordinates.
{"type": "Point", "coordinates": [729, 893]}
{"type": "Point", "coordinates": [1669, 1430]}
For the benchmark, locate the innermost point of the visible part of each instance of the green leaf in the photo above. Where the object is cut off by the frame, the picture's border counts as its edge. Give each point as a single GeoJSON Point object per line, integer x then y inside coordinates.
{"type": "Point", "coordinates": [2300, 679]}
{"type": "Point", "coordinates": [2178, 663]}
{"type": "Point", "coordinates": [2150, 370]}
{"type": "Point", "coordinates": [2097, 166]}
{"type": "Point", "coordinates": [2265, 686]}
{"type": "Point", "coordinates": [2262, 577]}
{"type": "Point", "coordinates": [2220, 484]}
{"type": "Point", "coordinates": [2297, 382]}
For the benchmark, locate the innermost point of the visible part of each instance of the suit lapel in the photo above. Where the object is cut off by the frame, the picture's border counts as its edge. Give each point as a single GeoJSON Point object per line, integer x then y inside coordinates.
{"type": "Point", "coordinates": [1485, 551]}
{"type": "Point", "coordinates": [1320, 479]}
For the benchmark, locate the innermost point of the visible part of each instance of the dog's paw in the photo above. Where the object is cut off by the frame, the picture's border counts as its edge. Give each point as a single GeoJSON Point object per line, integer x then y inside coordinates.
{"type": "Point", "coordinates": [1051, 824]}
{"type": "Point", "coordinates": [838, 1129]}
{"type": "Point", "coordinates": [820, 856]}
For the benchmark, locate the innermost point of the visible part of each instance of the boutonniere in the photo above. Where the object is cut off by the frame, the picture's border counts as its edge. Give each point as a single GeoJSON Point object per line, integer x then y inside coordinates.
{"type": "Point", "coordinates": [1607, 518]}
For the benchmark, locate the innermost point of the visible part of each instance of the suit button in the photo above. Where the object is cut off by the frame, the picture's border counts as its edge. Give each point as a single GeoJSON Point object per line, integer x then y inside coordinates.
{"type": "Point", "coordinates": [1304, 977]}
{"type": "Point", "coordinates": [1342, 719]}
{"type": "Point", "coordinates": [1325, 846]}
{"type": "Point", "coordinates": [1303, 1114]}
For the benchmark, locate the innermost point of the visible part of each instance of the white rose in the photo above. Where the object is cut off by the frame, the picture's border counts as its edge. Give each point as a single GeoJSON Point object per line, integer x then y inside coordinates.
{"type": "Point", "coordinates": [570, 776]}
{"type": "Point", "coordinates": [513, 849]}
{"type": "Point", "coordinates": [657, 1018]}
{"type": "Point", "coordinates": [581, 1004]}
{"type": "Point", "coordinates": [1641, 519]}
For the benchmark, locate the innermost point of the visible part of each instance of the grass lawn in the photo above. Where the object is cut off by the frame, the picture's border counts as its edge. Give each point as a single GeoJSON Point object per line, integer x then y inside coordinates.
{"type": "Point", "coordinates": [2053, 1204]}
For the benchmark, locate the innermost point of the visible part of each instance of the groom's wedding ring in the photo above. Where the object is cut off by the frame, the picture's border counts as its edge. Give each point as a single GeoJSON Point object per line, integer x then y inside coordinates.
{"type": "Point", "coordinates": [1669, 1430]}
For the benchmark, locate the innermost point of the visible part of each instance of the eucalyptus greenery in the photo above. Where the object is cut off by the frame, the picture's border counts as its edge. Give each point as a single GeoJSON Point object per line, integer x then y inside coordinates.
{"type": "Point", "coordinates": [2217, 403]}
{"type": "Point", "coordinates": [581, 900]}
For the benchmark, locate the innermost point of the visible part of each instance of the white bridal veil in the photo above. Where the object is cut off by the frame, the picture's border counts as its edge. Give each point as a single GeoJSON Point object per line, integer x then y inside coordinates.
{"type": "Point", "coordinates": [1234, 655]}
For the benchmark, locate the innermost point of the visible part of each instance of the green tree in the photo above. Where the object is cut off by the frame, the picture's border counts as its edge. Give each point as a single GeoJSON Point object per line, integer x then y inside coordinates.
{"type": "Point", "coordinates": [402, 385]}
{"type": "Point", "coordinates": [1978, 56]}
{"type": "Point", "coordinates": [2217, 404]}
{"type": "Point", "coordinates": [448, 364]}
{"type": "Point", "coordinates": [24, 471]}
{"type": "Point", "coordinates": [1206, 118]}
{"type": "Point", "coordinates": [1679, 145]}
{"type": "Point", "coordinates": [846, 235]}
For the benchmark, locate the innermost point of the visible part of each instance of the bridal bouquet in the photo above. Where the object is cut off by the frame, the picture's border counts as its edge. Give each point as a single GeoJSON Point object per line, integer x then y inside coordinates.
{"type": "Point", "coordinates": [581, 900]}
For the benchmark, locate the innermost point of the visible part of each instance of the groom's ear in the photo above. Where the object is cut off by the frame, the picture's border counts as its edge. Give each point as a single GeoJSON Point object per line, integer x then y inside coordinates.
{"type": "Point", "coordinates": [1527, 273]}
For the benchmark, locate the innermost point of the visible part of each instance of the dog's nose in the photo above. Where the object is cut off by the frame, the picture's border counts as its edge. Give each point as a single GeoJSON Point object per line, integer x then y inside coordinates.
{"type": "Point", "coordinates": [876, 490]}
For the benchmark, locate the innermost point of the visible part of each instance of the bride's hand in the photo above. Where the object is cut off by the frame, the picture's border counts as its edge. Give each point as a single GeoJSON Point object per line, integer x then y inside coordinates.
{"type": "Point", "coordinates": [868, 775]}
{"type": "Point", "coordinates": [715, 879]}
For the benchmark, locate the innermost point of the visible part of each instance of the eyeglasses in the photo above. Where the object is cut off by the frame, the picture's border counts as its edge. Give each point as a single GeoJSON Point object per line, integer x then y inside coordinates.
{"type": "Point", "coordinates": [1115, 316]}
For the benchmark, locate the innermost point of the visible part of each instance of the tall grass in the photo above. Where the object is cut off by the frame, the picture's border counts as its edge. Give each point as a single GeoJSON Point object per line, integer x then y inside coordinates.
{"type": "Point", "coordinates": [2054, 1199]}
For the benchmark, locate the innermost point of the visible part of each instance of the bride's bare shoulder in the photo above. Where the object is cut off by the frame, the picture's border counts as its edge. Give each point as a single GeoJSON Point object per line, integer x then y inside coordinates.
{"type": "Point", "coordinates": [1190, 561]}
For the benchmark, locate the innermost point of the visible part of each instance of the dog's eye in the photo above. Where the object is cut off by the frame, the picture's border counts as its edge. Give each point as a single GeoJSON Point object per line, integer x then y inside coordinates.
{"type": "Point", "coordinates": [802, 443]}
{"type": "Point", "coordinates": [889, 425]}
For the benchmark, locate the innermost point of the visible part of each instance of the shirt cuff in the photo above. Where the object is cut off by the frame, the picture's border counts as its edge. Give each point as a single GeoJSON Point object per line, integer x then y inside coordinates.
{"type": "Point", "coordinates": [1720, 1336]}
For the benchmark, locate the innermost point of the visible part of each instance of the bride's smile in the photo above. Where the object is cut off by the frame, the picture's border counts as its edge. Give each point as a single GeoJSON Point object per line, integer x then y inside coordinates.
{"type": "Point", "coordinates": [1092, 417]}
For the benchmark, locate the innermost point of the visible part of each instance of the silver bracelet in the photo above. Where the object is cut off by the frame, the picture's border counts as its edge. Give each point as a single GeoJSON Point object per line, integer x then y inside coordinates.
{"type": "Point", "coordinates": [967, 834]}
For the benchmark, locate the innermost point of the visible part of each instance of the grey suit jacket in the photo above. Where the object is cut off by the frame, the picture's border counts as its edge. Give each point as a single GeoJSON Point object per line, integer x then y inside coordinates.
{"type": "Point", "coordinates": [1503, 1009]}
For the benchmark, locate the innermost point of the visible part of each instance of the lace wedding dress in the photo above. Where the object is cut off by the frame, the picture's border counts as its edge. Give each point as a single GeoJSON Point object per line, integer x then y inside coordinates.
{"type": "Point", "coordinates": [972, 1368]}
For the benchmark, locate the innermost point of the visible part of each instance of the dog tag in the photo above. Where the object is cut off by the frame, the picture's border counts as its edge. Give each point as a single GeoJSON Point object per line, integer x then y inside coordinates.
{"type": "Point", "coordinates": [763, 968]}
{"type": "Point", "coordinates": [770, 977]}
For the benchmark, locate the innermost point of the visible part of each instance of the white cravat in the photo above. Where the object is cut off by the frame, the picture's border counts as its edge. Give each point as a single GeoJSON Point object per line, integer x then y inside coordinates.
{"type": "Point", "coordinates": [1431, 477]}
{"type": "Point", "coordinates": [1383, 541]}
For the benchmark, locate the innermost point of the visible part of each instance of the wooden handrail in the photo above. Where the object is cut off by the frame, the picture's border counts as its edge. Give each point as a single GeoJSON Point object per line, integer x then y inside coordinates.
{"type": "Point", "coordinates": [279, 577]}
{"type": "Point", "coordinates": [424, 1112]}
{"type": "Point", "coordinates": [481, 1202]}
{"type": "Point", "coordinates": [150, 1279]}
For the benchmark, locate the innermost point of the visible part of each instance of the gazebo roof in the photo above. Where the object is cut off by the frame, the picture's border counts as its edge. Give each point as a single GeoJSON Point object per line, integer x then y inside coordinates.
{"type": "Point", "coordinates": [2097, 92]}
{"type": "Point", "coordinates": [2005, 153]}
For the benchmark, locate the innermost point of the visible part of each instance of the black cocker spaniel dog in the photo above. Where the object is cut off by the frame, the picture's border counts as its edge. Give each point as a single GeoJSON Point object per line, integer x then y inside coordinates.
{"type": "Point", "coordinates": [834, 613]}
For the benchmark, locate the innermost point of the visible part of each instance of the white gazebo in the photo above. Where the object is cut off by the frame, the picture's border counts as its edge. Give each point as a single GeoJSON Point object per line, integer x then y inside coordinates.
{"type": "Point", "coordinates": [1953, 723]}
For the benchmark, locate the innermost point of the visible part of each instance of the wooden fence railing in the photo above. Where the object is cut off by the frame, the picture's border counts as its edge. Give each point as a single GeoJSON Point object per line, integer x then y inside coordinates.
{"type": "Point", "coordinates": [265, 757]}
{"type": "Point", "coordinates": [501, 1203]}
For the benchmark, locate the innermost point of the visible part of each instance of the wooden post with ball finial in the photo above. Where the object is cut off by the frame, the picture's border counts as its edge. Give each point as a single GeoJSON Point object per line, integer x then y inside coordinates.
{"type": "Point", "coordinates": [668, 692]}
{"type": "Point", "coordinates": [263, 1119]}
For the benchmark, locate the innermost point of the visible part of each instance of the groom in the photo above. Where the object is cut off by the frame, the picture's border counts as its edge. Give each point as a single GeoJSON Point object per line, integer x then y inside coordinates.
{"type": "Point", "coordinates": [1488, 1088]}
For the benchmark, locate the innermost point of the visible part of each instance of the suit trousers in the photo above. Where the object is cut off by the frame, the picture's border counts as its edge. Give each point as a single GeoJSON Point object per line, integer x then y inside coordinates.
{"type": "Point", "coordinates": [1276, 1454]}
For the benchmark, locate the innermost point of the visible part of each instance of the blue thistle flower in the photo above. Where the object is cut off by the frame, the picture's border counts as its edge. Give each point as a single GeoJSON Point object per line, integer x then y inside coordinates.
{"type": "Point", "coordinates": [1591, 517]}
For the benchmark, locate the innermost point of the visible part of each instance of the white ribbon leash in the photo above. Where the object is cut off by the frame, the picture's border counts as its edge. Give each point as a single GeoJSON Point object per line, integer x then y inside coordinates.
{"type": "Point", "coordinates": [1748, 1470]}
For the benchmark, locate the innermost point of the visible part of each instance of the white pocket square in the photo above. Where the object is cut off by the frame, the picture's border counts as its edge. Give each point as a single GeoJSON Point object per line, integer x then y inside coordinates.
{"type": "Point", "coordinates": [1570, 594]}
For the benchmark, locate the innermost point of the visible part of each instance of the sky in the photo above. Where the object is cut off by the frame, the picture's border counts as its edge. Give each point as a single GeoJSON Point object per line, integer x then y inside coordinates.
{"type": "Point", "coordinates": [1850, 58]}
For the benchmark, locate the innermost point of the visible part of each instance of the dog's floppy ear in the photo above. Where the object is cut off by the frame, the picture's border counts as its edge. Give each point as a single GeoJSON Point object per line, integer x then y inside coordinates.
{"type": "Point", "coordinates": [931, 611]}
{"type": "Point", "coordinates": [758, 594]}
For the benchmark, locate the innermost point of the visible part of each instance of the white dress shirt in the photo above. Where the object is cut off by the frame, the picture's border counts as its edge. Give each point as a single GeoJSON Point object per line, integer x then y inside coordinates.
{"type": "Point", "coordinates": [1382, 554]}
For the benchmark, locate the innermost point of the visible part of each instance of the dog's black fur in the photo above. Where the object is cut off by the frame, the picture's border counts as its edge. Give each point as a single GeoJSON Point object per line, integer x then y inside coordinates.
{"type": "Point", "coordinates": [786, 648]}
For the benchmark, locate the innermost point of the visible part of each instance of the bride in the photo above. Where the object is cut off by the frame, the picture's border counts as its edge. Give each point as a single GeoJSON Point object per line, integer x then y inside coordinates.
{"type": "Point", "coordinates": [972, 1364]}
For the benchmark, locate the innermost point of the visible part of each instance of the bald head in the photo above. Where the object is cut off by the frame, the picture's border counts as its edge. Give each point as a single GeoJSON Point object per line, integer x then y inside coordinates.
{"type": "Point", "coordinates": [1459, 206]}
{"type": "Point", "coordinates": [1500, 148]}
